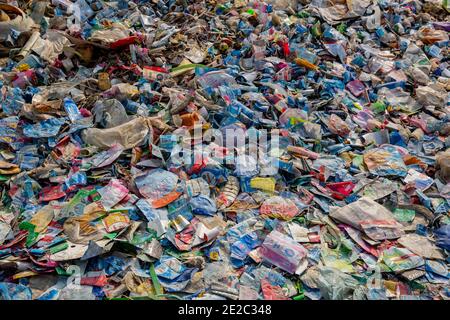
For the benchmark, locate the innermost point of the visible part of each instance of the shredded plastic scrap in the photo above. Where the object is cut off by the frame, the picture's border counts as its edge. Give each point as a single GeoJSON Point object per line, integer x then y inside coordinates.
{"type": "Point", "coordinates": [248, 149]}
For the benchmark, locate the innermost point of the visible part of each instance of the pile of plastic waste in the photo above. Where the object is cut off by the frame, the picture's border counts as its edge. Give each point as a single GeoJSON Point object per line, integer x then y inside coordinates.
{"type": "Point", "coordinates": [192, 149]}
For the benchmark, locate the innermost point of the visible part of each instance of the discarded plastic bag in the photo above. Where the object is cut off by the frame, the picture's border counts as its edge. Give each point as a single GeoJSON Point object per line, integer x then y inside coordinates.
{"type": "Point", "coordinates": [129, 134]}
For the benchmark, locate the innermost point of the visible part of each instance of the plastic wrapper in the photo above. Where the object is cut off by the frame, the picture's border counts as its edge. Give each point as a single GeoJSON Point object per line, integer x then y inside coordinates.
{"type": "Point", "coordinates": [112, 194]}
{"type": "Point", "coordinates": [156, 184]}
{"type": "Point", "coordinates": [336, 285]}
{"type": "Point", "coordinates": [110, 113]}
{"type": "Point", "coordinates": [368, 216]}
{"type": "Point", "coordinates": [278, 207]}
{"type": "Point", "coordinates": [421, 246]}
{"type": "Point", "coordinates": [129, 134]}
{"type": "Point", "coordinates": [11, 291]}
{"type": "Point", "coordinates": [385, 161]}
{"type": "Point", "coordinates": [282, 251]}
{"type": "Point", "coordinates": [443, 237]}
{"type": "Point", "coordinates": [420, 181]}
{"type": "Point", "coordinates": [43, 129]}
{"type": "Point", "coordinates": [400, 259]}
{"type": "Point", "coordinates": [202, 204]}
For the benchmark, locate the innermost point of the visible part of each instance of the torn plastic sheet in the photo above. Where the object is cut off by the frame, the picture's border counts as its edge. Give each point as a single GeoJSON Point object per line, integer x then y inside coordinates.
{"type": "Point", "coordinates": [370, 217]}
{"type": "Point", "coordinates": [385, 161]}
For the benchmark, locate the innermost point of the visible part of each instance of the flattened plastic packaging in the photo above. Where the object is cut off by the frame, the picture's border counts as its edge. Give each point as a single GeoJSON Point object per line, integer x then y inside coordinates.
{"type": "Point", "coordinates": [367, 215]}
{"type": "Point", "coordinates": [275, 149]}
{"type": "Point", "coordinates": [129, 134]}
